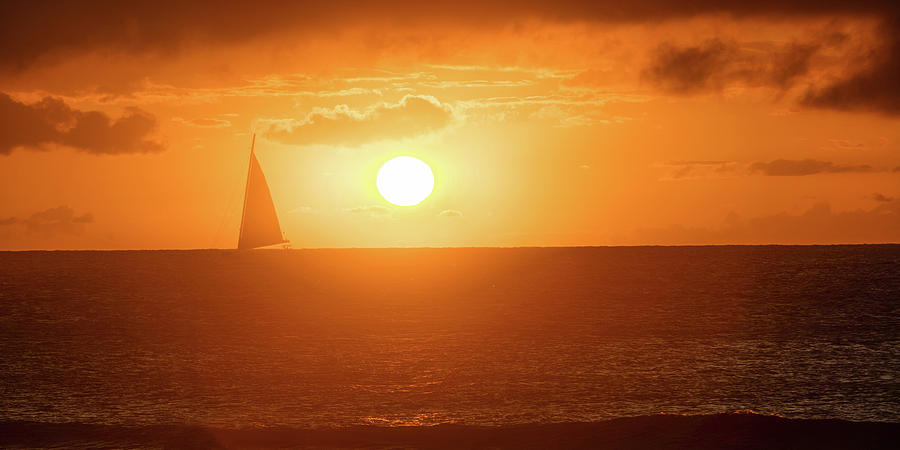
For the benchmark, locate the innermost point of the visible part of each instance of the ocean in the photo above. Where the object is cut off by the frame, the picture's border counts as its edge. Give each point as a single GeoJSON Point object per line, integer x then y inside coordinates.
{"type": "Point", "coordinates": [370, 338]}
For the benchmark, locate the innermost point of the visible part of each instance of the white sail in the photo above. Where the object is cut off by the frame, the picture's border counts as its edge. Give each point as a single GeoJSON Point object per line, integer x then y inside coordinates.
{"type": "Point", "coordinates": [259, 222]}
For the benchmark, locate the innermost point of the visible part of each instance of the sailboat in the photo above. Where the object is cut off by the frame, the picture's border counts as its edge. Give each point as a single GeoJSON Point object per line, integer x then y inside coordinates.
{"type": "Point", "coordinates": [259, 222]}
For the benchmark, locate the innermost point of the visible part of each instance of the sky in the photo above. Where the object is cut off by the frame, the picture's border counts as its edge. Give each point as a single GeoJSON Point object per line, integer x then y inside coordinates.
{"type": "Point", "coordinates": [127, 125]}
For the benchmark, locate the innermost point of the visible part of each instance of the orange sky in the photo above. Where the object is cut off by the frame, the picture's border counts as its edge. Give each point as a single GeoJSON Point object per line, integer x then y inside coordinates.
{"type": "Point", "coordinates": [571, 123]}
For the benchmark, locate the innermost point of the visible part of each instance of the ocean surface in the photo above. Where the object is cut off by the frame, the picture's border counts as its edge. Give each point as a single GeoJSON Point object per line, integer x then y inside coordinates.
{"type": "Point", "coordinates": [318, 339]}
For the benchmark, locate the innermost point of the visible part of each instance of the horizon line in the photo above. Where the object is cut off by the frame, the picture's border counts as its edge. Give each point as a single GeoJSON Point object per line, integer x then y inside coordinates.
{"type": "Point", "coordinates": [474, 247]}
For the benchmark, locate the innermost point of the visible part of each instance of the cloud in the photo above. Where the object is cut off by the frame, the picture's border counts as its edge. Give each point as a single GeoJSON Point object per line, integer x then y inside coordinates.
{"type": "Point", "coordinates": [52, 123]}
{"type": "Point", "coordinates": [875, 87]}
{"type": "Point", "coordinates": [373, 210]}
{"type": "Point", "coordinates": [794, 168]}
{"type": "Point", "coordinates": [685, 170]}
{"type": "Point", "coordinates": [47, 29]}
{"type": "Point", "coordinates": [690, 69]}
{"type": "Point", "coordinates": [818, 224]}
{"type": "Point", "coordinates": [844, 144]}
{"type": "Point", "coordinates": [61, 219]}
{"type": "Point", "coordinates": [714, 64]}
{"type": "Point", "coordinates": [704, 169]}
{"type": "Point", "coordinates": [450, 213]}
{"type": "Point", "coordinates": [563, 118]}
{"type": "Point", "coordinates": [205, 122]}
{"type": "Point", "coordinates": [42, 33]}
{"type": "Point", "coordinates": [306, 210]}
{"type": "Point", "coordinates": [412, 115]}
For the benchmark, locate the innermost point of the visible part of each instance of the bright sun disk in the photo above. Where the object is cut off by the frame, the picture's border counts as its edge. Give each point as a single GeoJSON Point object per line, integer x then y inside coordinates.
{"type": "Point", "coordinates": [405, 181]}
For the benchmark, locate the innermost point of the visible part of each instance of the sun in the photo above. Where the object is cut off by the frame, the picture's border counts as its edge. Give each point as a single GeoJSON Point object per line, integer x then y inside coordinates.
{"type": "Point", "coordinates": [405, 181]}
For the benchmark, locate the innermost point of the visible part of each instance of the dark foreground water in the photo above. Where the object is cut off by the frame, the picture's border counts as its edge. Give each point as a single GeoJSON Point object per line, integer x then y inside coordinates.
{"type": "Point", "coordinates": [490, 337]}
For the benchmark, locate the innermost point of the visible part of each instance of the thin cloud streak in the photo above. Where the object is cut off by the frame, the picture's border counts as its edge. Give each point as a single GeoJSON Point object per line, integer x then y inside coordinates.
{"type": "Point", "coordinates": [797, 168]}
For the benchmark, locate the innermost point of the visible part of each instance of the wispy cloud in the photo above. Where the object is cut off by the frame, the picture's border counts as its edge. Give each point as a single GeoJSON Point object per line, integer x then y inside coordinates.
{"type": "Point", "coordinates": [450, 213]}
{"type": "Point", "coordinates": [700, 169]}
{"type": "Point", "coordinates": [204, 122]}
{"type": "Point", "coordinates": [305, 210]}
{"type": "Point", "coordinates": [371, 210]}
{"type": "Point", "coordinates": [413, 115]}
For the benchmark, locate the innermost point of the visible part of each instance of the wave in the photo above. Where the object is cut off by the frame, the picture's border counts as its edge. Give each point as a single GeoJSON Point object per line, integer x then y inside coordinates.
{"type": "Point", "coordinates": [735, 430]}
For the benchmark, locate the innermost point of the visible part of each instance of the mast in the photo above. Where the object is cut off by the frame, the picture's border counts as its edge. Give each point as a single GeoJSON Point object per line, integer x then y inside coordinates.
{"type": "Point", "coordinates": [247, 186]}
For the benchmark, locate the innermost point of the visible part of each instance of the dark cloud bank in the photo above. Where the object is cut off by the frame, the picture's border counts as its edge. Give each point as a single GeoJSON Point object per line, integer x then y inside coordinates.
{"type": "Point", "coordinates": [715, 63]}
{"type": "Point", "coordinates": [40, 31]}
{"type": "Point", "coordinates": [876, 87]}
{"type": "Point", "coordinates": [712, 65]}
{"type": "Point", "coordinates": [51, 122]}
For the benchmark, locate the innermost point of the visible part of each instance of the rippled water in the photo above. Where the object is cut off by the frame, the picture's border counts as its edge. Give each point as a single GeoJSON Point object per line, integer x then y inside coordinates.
{"type": "Point", "coordinates": [474, 336]}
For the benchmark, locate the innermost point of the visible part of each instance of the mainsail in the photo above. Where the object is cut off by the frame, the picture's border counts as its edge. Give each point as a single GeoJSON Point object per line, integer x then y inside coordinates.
{"type": "Point", "coordinates": [259, 223]}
